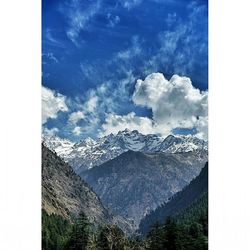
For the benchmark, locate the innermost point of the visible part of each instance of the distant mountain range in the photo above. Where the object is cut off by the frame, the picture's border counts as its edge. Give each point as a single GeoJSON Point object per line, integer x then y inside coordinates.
{"type": "Point", "coordinates": [88, 153]}
{"type": "Point", "coordinates": [186, 203]}
{"type": "Point", "coordinates": [134, 183]}
{"type": "Point", "coordinates": [132, 174]}
{"type": "Point", "coordinates": [64, 193]}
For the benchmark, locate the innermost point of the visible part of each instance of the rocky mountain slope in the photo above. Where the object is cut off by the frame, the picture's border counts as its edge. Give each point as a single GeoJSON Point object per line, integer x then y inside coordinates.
{"type": "Point", "coordinates": [66, 194]}
{"type": "Point", "coordinates": [194, 193]}
{"type": "Point", "coordinates": [135, 183]}
{"type": "Point", "coordinates": [89, 153]}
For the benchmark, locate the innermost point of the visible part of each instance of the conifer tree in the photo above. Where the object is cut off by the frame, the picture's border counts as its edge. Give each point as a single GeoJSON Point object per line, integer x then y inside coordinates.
{"type": "Point", "coordinates": [112, 238]}
{"type": "Point", "coordinates": [155, 237]}
{"type": "Point", "coordinates": [80, 234]}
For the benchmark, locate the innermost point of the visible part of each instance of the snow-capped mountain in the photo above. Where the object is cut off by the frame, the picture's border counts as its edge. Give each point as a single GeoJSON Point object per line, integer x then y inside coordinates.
{"type": "Point", "coordinates": [89, 153]}
{"type": "Point", "coordinates": [182, 143]}
{"type": "Point", "coordinates": [62, 147]}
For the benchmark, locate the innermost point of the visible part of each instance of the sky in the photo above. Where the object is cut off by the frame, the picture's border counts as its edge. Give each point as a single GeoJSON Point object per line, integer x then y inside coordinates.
{"type": "Point", "coordinates": [109, 65]}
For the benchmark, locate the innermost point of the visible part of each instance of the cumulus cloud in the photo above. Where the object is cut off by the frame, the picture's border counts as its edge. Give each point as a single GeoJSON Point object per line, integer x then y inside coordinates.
{"type": "Point", "coordinates": [174, 103]}
{"type": "Point", "coordinates": [115, 123]}
{"type": "Point", "coordinates": [76, 116]}
{"type": "Point", "coordinates": [52, 103]}
{"type": "Point", "coordinates": [202, 128]}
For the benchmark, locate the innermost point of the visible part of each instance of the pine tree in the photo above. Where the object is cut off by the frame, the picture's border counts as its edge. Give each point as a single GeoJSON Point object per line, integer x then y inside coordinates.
{"type": "Point", "coordinates": [80, 234]}
{"type": "Point", "coordinates": [138, 244]}
{"type": "Point", "coordinates": [175, 236]}
{"type": "Point", "coordinates": [54, 231]}
{"type": "Point", "coordinates": [112, 238]}
{"type": "Point", "coordinates": [155, 237]}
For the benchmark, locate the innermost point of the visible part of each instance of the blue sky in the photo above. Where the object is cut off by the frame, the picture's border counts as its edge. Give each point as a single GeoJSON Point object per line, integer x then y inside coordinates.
{"type": "Point", "coordinates": [93, 53]}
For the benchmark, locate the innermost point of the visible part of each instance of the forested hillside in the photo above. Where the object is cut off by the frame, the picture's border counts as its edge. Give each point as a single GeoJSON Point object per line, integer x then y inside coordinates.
{"type": "Point", "coordinates": [191, 196]}
{"type": "Point", "coordinates": [134, 183]}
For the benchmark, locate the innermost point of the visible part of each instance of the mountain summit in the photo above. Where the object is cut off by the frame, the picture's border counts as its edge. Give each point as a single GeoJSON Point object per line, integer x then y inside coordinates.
{"type": "Point", "coordinates": [88, 153]}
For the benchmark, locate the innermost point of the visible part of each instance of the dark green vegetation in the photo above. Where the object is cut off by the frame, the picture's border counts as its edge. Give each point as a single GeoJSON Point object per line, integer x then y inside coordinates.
{"type": "Point", "coordinates": [55, 230]}
{"type": "Point", "coordinates": [186, 230]}
{"type": "Point", "coordinates": [60, 234]}
{"type": "Point", "coordinates": [174, 234]}
{"type": "Point", "coordinates": [191, 200]}
{"type": "Point", "coordinates": [73, 217]}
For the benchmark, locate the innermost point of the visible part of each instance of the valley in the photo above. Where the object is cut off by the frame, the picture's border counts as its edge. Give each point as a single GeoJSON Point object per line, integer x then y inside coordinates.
{"type": "Point", "coordinates": [131, 174]}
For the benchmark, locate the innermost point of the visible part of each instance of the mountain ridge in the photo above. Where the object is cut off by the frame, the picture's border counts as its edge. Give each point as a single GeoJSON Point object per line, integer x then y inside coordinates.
{"type": "Point", "coordinates": [64, 193]}
{"type": "Point", "coordinates": [89, 153]}
{"type": "Point", "coordinates": [182, 200]}
{"type": "Point", "coordinates": [134, 183]}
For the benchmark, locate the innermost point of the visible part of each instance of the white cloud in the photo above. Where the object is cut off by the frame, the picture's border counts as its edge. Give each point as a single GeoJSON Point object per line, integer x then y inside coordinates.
{"type": "Point", "coordinates": [115, 123]}
{"type": "Point", "coordinates": [87, 70]}
{"type": "Point", "coordinates": [49, 57]}
{"type": "Point", "coordinates": [77, 130]}
{"type": "Point", "coordinates": [202, 128]}
{"type": "Point", "coordinates": [182, 44]}
{"type": "Point", "coordinates": [86, 119]}
{"type": "Point", "coordinates": [175, 103]}
{"type": "Point", "coordinates": [78, 16]}
{"type": "Point", "coordinates": [52, 103]}
{"type": "Point", "coordinates": [51, 39]}
{"type": "Point", "coordinates": [171, 19]}
{"type": "Point", "coordinates": [112, 20]}
{"type": "Point", "coordinates": [76, 116]}
{"type": "Point", "coordinates": [91, 103]}
{"type": "Point", "coordinates": [49, 132]}
{"type": "Point", "coordinates": [131, 52]}
{"type": "Point", "coordinates": [129, 4]}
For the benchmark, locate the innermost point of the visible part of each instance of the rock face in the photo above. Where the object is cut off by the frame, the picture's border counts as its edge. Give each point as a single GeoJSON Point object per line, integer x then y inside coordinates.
{"type": "Point", "coordinates": [191, 194]}
{"type": "Point", "coordinates": [89, 153]}
{"type": "Point", "coordinates": [135, 183]}
{"type": "Point", "coordinates": [66, 194]}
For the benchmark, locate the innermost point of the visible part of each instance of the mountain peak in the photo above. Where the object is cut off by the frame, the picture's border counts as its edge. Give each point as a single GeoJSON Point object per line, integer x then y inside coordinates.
{"type": "Point", "coordinates": [135, 131]}
{"type": "Point", "coordinates": [125, 131]}
{"type": "Point", "coordinates": [89, 140]}
{"type": "Point", "coordinates": [88, 153]}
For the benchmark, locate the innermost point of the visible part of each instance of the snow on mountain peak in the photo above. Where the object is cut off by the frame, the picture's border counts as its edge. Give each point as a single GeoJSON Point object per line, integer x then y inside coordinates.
{"type": "Point", "coordinates": [89, 153]}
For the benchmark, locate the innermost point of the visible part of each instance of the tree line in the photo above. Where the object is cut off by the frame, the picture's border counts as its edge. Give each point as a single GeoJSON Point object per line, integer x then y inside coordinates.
{"type": "Point", "coordinates": [181, 233]}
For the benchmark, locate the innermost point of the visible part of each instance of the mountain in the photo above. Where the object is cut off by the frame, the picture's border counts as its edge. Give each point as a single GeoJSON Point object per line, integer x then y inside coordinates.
{"type": "Point", "coordinates": [64, 193]}
{"type": "Point", "coordinates": [89, 153]}
{"type": "Point", "coordinates": [135, 183]}
{"type": "Point", "coordinates": [62, 147]}
{"type": "Point", "coordinates": [189, 202]}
